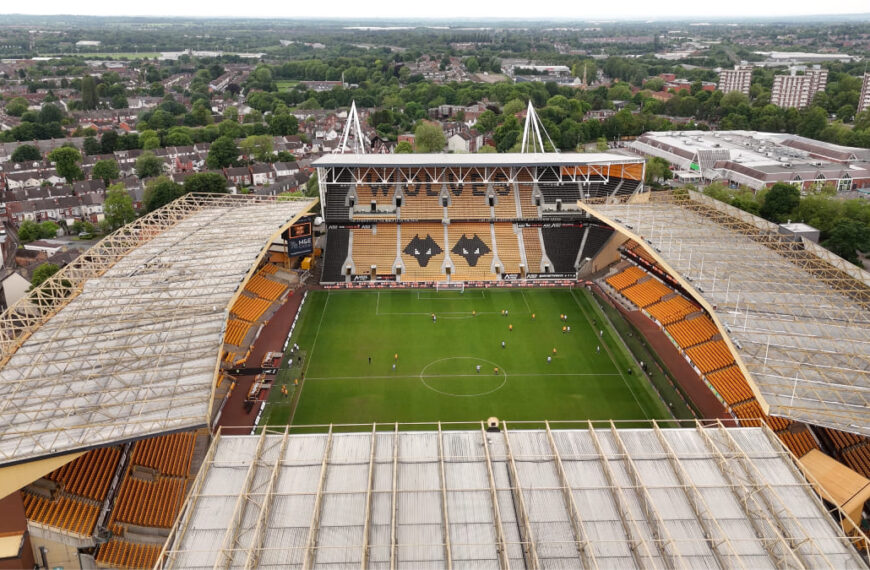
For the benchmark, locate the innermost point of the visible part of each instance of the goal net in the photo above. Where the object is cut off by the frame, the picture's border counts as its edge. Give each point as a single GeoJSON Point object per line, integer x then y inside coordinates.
{"type": "Point", "coordinates": [447, 286]}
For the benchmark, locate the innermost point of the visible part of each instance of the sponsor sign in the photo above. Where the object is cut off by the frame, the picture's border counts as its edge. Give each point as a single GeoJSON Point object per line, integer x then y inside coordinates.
{"type": "Point", "coordinates": [367, 277]}
{"type": "Point", "coordinates": [551, 275]}
{"type": "Point", "coordinates": [299, 239]}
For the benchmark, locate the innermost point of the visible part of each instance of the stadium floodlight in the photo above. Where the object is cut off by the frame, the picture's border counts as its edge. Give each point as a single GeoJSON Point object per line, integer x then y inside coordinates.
{"type": "Point", "coordinates": [351, 128]}
{"type": "Point", "coordinates": [532, 140]}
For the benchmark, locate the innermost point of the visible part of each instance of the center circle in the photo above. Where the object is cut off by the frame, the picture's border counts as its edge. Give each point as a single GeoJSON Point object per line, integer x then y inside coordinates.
{"type": "Point", "coordinates": [446, 382]}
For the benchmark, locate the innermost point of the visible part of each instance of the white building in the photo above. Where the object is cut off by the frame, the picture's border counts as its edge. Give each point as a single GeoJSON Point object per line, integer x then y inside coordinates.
{"type": "Point", "coordinates": [737, 79]}
{"type": "Point", "coordinates": [864, 99]}
{"type": "Point", "coordinates": [798, 90]}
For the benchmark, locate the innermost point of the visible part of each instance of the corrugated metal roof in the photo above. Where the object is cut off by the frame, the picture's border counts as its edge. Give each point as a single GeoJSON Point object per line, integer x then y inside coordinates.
{"type": "Point", "coordinates": [692, 498]}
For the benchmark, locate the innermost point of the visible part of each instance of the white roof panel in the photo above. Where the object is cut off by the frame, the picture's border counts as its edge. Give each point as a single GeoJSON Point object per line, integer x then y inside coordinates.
{"type": "Point", "coordinates": [134, 353]}
{"type": "Point", "coordinates": [667, 509]}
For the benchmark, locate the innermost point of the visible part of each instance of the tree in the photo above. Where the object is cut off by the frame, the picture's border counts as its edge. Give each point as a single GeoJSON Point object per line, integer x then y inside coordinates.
{"type": "Point", "coordinates": [222, 153]}
{"type": "Point", "coordinates": [17, 106]}
{"type": "Point", "coordinates": [813, 122]}
{"type": "Point", "coordinates": [257, 146]}
{"type": "Point", "coordinates": [404, 147]}
{"type": "Point", "coordinates": [106, 170]}
{"type": "Point", "coordinates": [780, 201]}
{"type": "Point", "coordinates": [109, 142]}
{"type": "Point", "coordinates": [486, 149]}
{"type": "Point", "coordinates": [206, 182]}
{"type": "Point", "coordinates": [657, 170]}
{"type": "Point", "coordinates": [847, 237]}
{"type": "Point", "coordinates": [28, 231]}
{"type": "Point", "coordinates": [66, 159]}
{"type": "Point", "coordinates": [82, 226]}
{"type": "Point", "coordinates": [159, 192]}
{"type": "Point", "coordinates": [486, 122]}
{"type": "Point", "coordinates": [91, 146]}
{"type": "Point", "coordinates": [513, 107]}
{"type": "Point", "coordinates": [282, 124]}
{"type": "Point", "coordinates": [118, 206]}
{"type": "Point", "coordinates": [312, 187]}
{"type": "Point", "coordinates": [48, 230]}
{"type": "Point", "coordinates": [42, 273]}
{"type": "Point", "coordinates": [26, 153]}
{"type": "Point", "coordinates": [148, 165]}
{"type": "Point", "coordinates": [428, 137]}
{"type": "Point", "coordinates": [149, 140]}
{"type": "Point", "coordinates": [231, 113]}
{"type": "Point", "coordinates": [89, 93]}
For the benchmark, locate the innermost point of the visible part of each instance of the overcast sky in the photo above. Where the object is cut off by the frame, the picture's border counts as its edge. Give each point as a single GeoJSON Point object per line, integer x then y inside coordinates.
{"type": "Point", "coordinates": [445, 9]}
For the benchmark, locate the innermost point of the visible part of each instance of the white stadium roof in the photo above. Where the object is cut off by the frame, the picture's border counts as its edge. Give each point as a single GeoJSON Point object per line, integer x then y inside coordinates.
{"type": "Point", "coordinates": [136, 350]}
{"type": "Point", "coordinates": [472, 160]}
{"type": "Point", "coordinates": [702, 497]}
{"type": "Point", "coordinates": [796, 316]}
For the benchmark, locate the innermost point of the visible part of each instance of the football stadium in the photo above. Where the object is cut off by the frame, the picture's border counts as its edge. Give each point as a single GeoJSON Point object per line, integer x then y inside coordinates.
{"type": "Point", "coordinates": [475, 361]}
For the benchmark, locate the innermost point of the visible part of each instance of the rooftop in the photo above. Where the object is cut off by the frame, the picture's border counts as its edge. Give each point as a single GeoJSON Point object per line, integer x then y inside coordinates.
{"type": "Point", "coordinates": [796, 316]}
{"type": "Point", "coordinates": [522, 498]}
{"type": "Point", "coordinates": [124, 342]}
{"type": "Point", "coordinates": [480, 160]}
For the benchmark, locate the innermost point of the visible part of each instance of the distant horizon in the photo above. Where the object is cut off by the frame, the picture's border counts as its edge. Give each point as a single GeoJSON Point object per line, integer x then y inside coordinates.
{"type": "Point", "coordinates": [455, 11]}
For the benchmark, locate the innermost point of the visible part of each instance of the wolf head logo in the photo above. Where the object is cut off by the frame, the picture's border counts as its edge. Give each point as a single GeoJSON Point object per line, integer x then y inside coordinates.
{"type": "Point", "coordinates": [470, 248]}
{"type": "Point", "coordinates": [423, 249]}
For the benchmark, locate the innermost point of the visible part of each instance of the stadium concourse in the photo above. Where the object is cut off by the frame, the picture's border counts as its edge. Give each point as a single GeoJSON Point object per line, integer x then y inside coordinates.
{"type": "Point", "coordinates": [115, 368]}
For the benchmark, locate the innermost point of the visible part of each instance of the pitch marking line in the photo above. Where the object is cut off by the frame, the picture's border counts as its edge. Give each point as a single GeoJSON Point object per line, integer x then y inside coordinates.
{"type": "Point", "coordinates": [412, 377]}
{"type": "Point", "coordinates": [310, 357]}
{"type": "Point", "coordinates": [610, 355]}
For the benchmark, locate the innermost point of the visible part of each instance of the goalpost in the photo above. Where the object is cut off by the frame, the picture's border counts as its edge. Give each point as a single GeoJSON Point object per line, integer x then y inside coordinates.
{"type": "Point", "coordinates": [448, 286]}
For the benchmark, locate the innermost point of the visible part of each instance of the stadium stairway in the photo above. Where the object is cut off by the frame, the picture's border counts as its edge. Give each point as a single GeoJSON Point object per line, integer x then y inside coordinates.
{"type": "Point", "coordinates": [336, 253]}
{"type": "Point", "coordinates": [336, 203]}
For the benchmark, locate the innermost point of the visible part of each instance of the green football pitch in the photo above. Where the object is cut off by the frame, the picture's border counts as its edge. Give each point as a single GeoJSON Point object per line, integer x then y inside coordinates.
{"type": "Point", "coordinates": [379, 356]}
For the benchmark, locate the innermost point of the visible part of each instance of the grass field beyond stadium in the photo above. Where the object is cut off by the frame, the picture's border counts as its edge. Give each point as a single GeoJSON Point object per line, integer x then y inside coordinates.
{"type": "Point", "coordinates": [436, 377]}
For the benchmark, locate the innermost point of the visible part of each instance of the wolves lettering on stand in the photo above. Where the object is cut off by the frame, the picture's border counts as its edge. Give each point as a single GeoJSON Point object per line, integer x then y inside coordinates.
{"type": "Point", "coordinates": [422, 249]}
{"type": "Point", "coordinates": [470, 248]}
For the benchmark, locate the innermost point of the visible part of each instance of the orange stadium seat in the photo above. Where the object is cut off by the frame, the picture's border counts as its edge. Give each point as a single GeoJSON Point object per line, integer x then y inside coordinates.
{"type": "Point", "coordinates": [268, 269]}
{"type": "Point", "coordinates": [749, 413]}
{"type": "Point", "coordinates": [379, 249]}
{"type": "Point", "coordinates": [89, 475]}
{"type": "Point", "coordinates": [236, 332]}
{"type": "Point", "coordinates": [647, 292]}
{"type": "Point", "coordinates": [710, 356]}
{"type": "Point", "coordinates": [463, 253]}
{"type": "Point", "coordinates": [672, 310]}
{"type": "Point", "coordinates": [65, 513]}
{"type": "Point", "coordinates": [265, 288]}
{"type": "Point", "coordinates": [505, 204]}
{"type": "Point", "coordinates": [508, 248]}
{"type": "Point", "coordinates": [433, 258]}
{"type": "Point", "coordinates": [534, 253]}
{"type": "Point", "coordinates": [626, 278]}
{"type": "Point", "coordinates": [525, 189]}
{"type": "Point", "coordinates": [149, 503]}
{"type": "Point", "coordinates": [731, 385]}
{"type": "Point", "coordinates": [467, 205]}
{"type": "Point", "coordinates": [421, 201]}
{"type": "Point", "coordinates": [690, 332]}
{"type": "Point", "coordinates": [123, 554]}
{"type": "Point", "coordinates": [250, 308]}
{"type": "Point", "coordinates": [169, 454]}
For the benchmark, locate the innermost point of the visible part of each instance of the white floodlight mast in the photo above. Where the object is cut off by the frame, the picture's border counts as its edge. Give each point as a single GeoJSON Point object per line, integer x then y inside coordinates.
{"type": "Point", "coordinates": [532, 139]}
{"type": "Point", "coordinates": [352, 126]}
